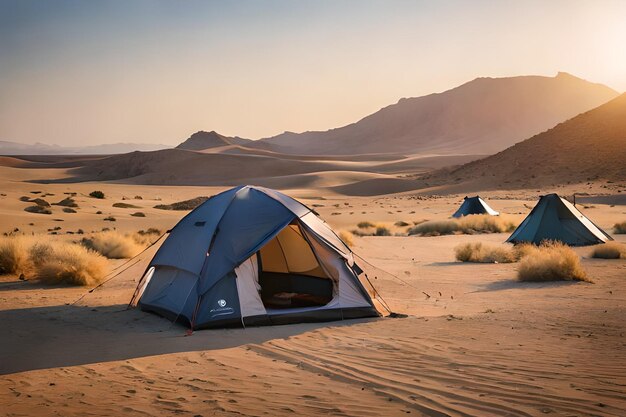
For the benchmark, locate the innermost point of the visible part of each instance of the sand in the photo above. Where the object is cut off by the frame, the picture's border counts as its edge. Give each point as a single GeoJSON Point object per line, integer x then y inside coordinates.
{"type": "Point", "coordinates": [475, 342]}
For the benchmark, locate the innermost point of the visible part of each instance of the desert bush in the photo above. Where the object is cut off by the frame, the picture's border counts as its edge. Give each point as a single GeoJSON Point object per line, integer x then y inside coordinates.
{"type": "Point", "coordinates": [67, 202]}
{"type": "Point", "coordinates": [382, 231]}
{"type": "Point", "coordinates": [472, 224]}
{"type": "Point", "coordinates": [124, 205]}
{"type": "Point", "coordinates": [40, 202]}
{"type": "Point", "coordinates": [183, 205]}
{"type": "Point", "coordinates": [96, 194]}
{"type": "Point", "coordinates": [347, 237]}
{"type": "Point", "coordinates": [365, 225]}
{"type": "Point", "coordinates": [38, 210]}
{"type": "Point", "coordinates": [110, 219]}
{"type": "Point", "coordinates": [138, 214]}
{"type": "Point", "coordinates": [619, 228]}
{"type": "Point", "coordinates": [51, 261]}
{"type": "Point", "coordinates": [68, 210]}
{"type": "Point", "coordinates": [609, 250]}
{"type": "Point", "coordinates": [400, 223]}
{"type": "Point", "coordinates": [113, 244]}
{"type": "Point", "coordinates": [551, 261]}
{"type": "Point", "coordinates": [25, 199]}
{"type": "Point", "coordinates": [479, 252]}
{"type": "Point", "coordinates": [14, 257]}
{"type": "Point", "coordinates": [67, 263]}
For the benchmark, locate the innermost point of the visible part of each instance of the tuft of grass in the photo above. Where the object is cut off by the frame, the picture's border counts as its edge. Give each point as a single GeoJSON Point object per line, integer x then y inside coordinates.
{"type": "Point", "coordinates": [382, 231]}
{"type": "Point", "coordinates": [97, 194]}
{"type": "Point", "coordinates": [183, 205]}
{"type": "Point", "coordinates": [124, 205]}
{"type": "Point", "coordinates": [110, 219]}
{"type": "Point", "coordinates": [51, 261]}
{"type": "Point", "coordinates": [40, 202]}
{"type": "Point", "coordinates": [551, 261]}
{"type": "Point", "coordinates": [68, 210]}
{"type": "Point", "coordinates": [609, 250]}
{"type": "Point", "coordinates": [38, 210]}
{"type": "Point", "coordinates": [401, 223]}
{"type": "Point", "coordinates": [113, 245]}
{"type": "Point", "coordinates": [14, 254]}
{"type": "Point", "coordinates": [469, 225]}
{"type": "Point", "coordinates": [138, 214]}
{"type": "Point", "coordinates": [67, 263]}
{"type": "Point", "coordinates": [347, 237]}
{"type": "Point", "coordinates": [482, 253]}
{"type": "Point", "coordinates": [365, 225]}
{"type": "Point", "coordinates": [619, 228]}
{"type": "Point", "coordinates": [67, 202]}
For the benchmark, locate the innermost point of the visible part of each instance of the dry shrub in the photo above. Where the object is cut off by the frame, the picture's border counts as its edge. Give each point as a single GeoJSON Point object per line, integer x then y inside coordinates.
{"type": "Point", "coordinates": [400, 223]}
{"type": "Point", "coordinates": [382, 231]}
{"type": "Point", "coordinates": [347, 237]}
{"type": "Point", "coordinates": [14, 257]}
{"type": "Point", "coordinates": [51, 262]}
{"type": "Point", "coordinates": [469, 225]}
{"type": "Point", "coordinates": [38, 210]}
{"type": "Point", "coordinates": [609, 250]}
{"type": "Point", "coordinates": [620, 228]}
{"type": "Point", "coordinates": [113, 245]}
{"type": "Point", "coordinates": [551, 261]}
{"type": "Point", "coordinates": [68, 263]}
{"type": "Point", "coordinates": [365, 225]}
{"type": "Point", "coordinates": [183, 205]}
{"type": "Point", "coordinates": [479, 252]}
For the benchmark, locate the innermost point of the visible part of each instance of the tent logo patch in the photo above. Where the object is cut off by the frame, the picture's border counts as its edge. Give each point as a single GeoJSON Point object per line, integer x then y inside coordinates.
{"type": "Point", "coordinates": [221, 303]}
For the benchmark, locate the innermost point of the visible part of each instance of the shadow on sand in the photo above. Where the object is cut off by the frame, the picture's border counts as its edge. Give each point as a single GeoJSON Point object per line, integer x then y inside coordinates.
{"type": "Point", "coordinates": [517, 285]}
{"type": "Point", "coordinates": [66, 335]}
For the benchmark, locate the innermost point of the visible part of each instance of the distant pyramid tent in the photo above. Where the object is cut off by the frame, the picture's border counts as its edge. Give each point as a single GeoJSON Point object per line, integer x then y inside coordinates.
{"type": "Point", "coordinates": [474, 205]}
{"type": "Point", "coordinates": [554, 218]}
{"type": "Point", "coordinates": [253, 256]}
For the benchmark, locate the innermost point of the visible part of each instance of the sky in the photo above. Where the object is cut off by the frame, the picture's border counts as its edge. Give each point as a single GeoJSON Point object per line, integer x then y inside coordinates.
{"type": "Point", "coordinates": [76, 72]}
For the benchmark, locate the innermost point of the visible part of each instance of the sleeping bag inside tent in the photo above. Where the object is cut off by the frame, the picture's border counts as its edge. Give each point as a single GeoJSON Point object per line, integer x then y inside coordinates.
{"type": "Point", "coordinates": [554, 218]}
{"type": "Point", "coordinates": [474, 205]}
{"type": "Point", "coordinates": [253, 256]}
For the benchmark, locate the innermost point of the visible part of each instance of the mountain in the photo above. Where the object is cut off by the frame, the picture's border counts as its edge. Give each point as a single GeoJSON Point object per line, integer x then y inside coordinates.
{"type": "Point", "coordinates": [483, 116]}
{"type": "Point", "coordinates": [14, 148]}
{"type": "Point", "coordinates": [589, 147]}
{"type": "Point", "coordinates": [204, 140]}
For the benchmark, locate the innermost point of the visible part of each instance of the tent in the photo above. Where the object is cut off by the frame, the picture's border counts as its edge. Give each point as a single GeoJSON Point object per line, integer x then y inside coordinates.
{"type": "Point", "coordinates": [554, 218]}
{"type": "Point", "coordinates": [474, 205]}
{"type": "Point", "coordinates": [253, 256]}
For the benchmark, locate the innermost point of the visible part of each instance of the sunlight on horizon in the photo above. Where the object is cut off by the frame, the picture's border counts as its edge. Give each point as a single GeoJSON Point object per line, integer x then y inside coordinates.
{"type": "Point", "coordinates": [77, 73]}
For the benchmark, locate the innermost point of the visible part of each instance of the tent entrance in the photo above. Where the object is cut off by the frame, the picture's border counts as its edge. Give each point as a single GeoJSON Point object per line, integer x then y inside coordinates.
{"type": "Point", "coordinates": [290, 275]}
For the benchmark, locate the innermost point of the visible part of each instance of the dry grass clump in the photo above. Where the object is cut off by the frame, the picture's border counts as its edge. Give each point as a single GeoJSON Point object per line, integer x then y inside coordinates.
{"type": "Point", "coordinates": [124, 205]}
{"type": "Point", "coordinates": [138, 214]}
{"type": "Point", "coordinates": [365, 225]}
{"type": "Point", "coordinates": [619, 228]}
{"type": "Point", "coordinates": [382, 231]}
{"type": "Point", "coordinates": [479, 252]}
{"type": "Point", "coordinates": [551, 261]}
{"type": "Point", "coordinates": [609, 250]}
{"type": "Point", "coordinates": [113, 245]}
{"type": "Point", "coordinates": [469, 225]}
{"type": "Point", "coordinates": [68, 263]}
{"type": "Point", "coordinates": [38, 209]}
{"type": "Point", "coordinates": [52, 262]}
{"type": "Point", "coordinates": [347, 237]}
{"type": "Point", "coordinates": [67, 202]}
{"type": "Point", "coordinates": [14, 257]}
{"type": "Point", "coordinates": [183, 205]}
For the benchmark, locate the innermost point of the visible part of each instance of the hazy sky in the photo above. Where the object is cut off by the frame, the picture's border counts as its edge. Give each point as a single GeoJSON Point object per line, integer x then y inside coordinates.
{"type": "Point", "coordinates": [88, 72]}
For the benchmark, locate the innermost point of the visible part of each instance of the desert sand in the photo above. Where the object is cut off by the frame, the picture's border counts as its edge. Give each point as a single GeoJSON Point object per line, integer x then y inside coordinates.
{"type": "Point", "coordinates": [475, 342]}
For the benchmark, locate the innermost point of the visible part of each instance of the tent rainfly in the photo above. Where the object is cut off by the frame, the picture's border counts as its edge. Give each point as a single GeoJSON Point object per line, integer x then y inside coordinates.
{"type": "Point", "coordinates": [554, 218]}
{"type": "Point", "coordinates": [474, 205]}
{"type": "Point", "coordinates": [253, 256]}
